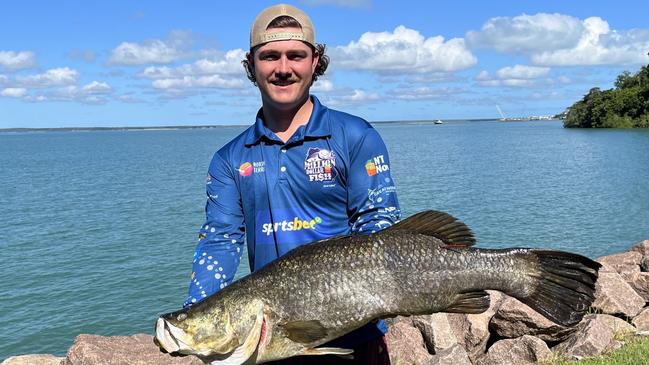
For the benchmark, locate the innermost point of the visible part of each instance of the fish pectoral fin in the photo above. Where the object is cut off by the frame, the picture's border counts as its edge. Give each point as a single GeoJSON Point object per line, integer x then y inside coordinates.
{"type": "Point", "coordinates": [472, 302]}
{"type": "Point", "coordinates": [441, 225]}
{"type": "Point", "coordinates": [305, 331]}
{"type": "Point", "coordinates": [344, 353]}
{"type": "Point", "coordinates": [243, 354]}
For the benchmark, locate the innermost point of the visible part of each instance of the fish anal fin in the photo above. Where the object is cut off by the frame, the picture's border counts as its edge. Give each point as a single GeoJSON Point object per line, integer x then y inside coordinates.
{"type": "Point", "coordinates": [344, 353]}
{"type": "Point", "coordinates": [305, 331]}
{"type": "Point", "coordinates": [473, 302]}
{"type": "Point", "coordinates": [440, 225]}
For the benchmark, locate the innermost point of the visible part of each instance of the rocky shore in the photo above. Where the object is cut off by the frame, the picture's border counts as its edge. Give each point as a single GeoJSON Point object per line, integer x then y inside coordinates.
{"type": "Point", "coordinates": [508, 333]}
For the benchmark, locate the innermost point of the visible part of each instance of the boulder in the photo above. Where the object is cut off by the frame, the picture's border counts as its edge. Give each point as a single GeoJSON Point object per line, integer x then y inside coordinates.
{"type": "Point", "coordinates": [643, 248]}
{"type": "Point", "coordinates": [641, 321]}
{"type": "Point", "coordinates": [121, 350]}
{"type": "Point", "coordinates": [615, 296]}
{"type": "Point", "coordinates": [518, 351]}
{"type": "Point", "coordinates": [40, 359]}
{"type": "Point", "coordinates": [454, 355]}
{"type": "Point", "coordinates": [639, 281]}
{"type": "Point", "coordinates": [623, 263]}
{"type": "Point", "coordinates": [617, 325]}
{"type": "Point", "coordinates": [436, 330]}
{"type": "Point", "coordinates": [591, 339]}
{"type": "Point", "coordinates": [515, 319]}
{"type": "Point", "coordinates": [444, 330]}
{"type": "Point", "coordinates": [406, 344]}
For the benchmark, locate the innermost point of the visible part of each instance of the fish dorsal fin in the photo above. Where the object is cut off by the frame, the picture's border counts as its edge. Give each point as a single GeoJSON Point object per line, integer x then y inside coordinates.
{"type": "Point", "coordinates": [305, 331]}
{"type": "Point", "coordinates": [440, 225]}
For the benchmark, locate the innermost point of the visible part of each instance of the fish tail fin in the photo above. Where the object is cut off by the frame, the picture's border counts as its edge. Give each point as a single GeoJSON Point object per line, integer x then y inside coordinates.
{"type": "Point", "coordinates": [565, 286]}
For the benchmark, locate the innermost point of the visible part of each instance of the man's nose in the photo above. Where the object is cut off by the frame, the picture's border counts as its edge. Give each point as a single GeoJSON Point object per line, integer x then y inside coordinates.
{"type": "Point", "coordinates": [283, 66]}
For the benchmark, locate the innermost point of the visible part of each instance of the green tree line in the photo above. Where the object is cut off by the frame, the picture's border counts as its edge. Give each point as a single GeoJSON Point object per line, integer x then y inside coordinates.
{"type": "Point", "coordinates": [625, 106]}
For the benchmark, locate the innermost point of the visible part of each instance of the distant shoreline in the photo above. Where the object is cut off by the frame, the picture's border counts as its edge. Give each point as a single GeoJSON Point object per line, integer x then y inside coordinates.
{"type": "Point", "coordinates": [174, 127]}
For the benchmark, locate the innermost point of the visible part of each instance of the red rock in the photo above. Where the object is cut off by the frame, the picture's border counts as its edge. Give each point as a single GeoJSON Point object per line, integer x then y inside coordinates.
{"type": "Point", "coordinates": [518, 351]}
{"type": "Point", "coordinates": [121, 350]}
{"type": "Point", "coordinates": [615, 296]}
{"type": "Point", "coordinates": [591, 339]}
{"type": "Point", "coordinates": [406, 344]}
{"type": "Point", "coordinates": [40, 359]}
{"type": "Point", "coordinates": [515, 319]}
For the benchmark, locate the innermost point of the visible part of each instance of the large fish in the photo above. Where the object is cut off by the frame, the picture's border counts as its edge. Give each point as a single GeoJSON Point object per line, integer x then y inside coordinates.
{"type": "Point", "coordinates": [318, 292]}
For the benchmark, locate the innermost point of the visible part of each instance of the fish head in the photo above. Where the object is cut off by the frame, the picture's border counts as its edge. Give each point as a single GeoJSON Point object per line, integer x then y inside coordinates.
{"type": "Point", "coordinates": [213, 331]}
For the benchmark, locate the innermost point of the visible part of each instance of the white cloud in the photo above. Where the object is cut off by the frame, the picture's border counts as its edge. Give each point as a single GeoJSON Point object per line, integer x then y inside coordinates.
{"type": "Point", "coordinates": [17, 60]}
{"type": "Point", "coordinates": [562, 40]}
{"type": "Point", "coordinates": [14, 92]}
{"type": "Point", "coordinates": [514, 76]}
{"type": "Point", "coordinates": [3, 79]}
{"type": "Point", "coordinates": [322, 85]}
{"type": "Point", "coordinates": [351, 97]}
{"type": "Point", "coordinates": [153, 51]}
{"type": "Point", "coordinates": [527, 33]}
{"type": "Point", "coordinates": [404, 51]}
{"type": "Point", "coordinates": [52, 77]}
{"type": "Point", "coordinates": [189, 82]}
{"type": "Point", "coordinates": [96, 87]}
{"type": "Point", "coordinates": [599, 45]}
{"type": "Point", "coordinates": [227, 64]}
{"type": "Point", "coordinates": [522, 72]}
{"type": "Point", "coordinates": [92, 93]}
{"type": "Point", "coordinates": [424, 93]}
{"type": "Point", "coordinates": [223, 71]}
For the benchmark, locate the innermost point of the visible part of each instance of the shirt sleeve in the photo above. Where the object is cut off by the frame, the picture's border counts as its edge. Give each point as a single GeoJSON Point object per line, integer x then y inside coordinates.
{"type": "Point", "coordinates": [221, 238]}
{"type": "Point", "coordinates": [372, 202]}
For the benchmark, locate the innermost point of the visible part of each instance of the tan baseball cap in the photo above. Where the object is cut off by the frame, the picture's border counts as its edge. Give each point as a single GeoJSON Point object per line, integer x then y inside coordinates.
{"type": "Point", "coordinates": [260, 35]}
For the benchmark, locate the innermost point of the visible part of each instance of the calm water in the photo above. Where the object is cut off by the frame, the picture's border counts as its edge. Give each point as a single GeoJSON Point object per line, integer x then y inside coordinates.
{"type": "Point", "coordinates": [97, 229]}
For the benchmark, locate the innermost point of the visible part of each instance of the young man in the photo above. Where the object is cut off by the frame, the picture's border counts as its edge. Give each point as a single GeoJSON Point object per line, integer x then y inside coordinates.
{"type": "Point", "coordinates": [301, 173]}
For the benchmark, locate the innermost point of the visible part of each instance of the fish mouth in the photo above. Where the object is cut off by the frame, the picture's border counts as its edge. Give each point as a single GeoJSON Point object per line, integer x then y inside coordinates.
{"type": "Point", "coordinates": [171, 338]}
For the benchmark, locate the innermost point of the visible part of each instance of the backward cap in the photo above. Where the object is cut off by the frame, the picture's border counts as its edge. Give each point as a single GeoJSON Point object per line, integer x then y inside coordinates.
{"type": "Point", "coordinates": [260, 35]}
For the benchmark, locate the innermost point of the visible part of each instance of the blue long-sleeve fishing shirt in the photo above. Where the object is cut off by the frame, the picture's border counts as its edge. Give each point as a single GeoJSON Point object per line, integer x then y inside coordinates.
{"type": "Point", "coordinates": [332, 177]}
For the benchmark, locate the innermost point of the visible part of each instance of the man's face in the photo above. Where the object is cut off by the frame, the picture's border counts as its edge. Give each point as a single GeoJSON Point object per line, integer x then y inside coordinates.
{"type": "Point", "coordinates": [284, 70]}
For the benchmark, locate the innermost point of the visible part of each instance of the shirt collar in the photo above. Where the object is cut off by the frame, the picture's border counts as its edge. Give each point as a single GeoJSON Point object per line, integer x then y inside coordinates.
{"type": "Point", "coordinates": [318, 125]}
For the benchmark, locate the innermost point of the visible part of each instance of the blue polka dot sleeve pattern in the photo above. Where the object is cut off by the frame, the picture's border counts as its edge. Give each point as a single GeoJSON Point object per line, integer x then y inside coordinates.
{"type": "Point", "coordinates": [372, 203]}
{"type": "Point", "coordinates": [221, 238]}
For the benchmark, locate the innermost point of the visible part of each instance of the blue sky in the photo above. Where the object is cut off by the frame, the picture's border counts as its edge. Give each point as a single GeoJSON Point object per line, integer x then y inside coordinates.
{"type": "Point", "coordinates": [147, 63]}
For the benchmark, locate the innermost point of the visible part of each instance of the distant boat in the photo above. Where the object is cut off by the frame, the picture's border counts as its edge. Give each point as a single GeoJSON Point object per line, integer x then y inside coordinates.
{"type": "Point", "coordinates": [439, 122]}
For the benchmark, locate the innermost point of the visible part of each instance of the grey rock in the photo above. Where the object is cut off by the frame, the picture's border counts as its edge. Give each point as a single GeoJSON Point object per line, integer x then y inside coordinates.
{"type": "Point", "coordinates": [639, 281]}
{"type": "Point", "coordinates": [121, 350]}
{"type": "Point", "coordinates": [518, 351]}
{"type": "Point", "coordinates": [436, 330]}
{"type": "Point", "coordinates": [38, 359]}
{"type": "Point", "coordinates": [515, 319]}
{"type": "Point", "coordinates": [591, 339]}
{"type": "Point", "coordinates": [406, 344]}
{"type": "Point", "coordinates": [615, 296]}
{"type": "Point", "coordinates": [623, 263]}
{"type": "Point", "coordinates": [442, 331]}
{"type": "Point", "coordinates": [643, 248]}
{"type": "Point", "coordinates": [617, 325]}
{"type": "Point", "coordinates": [454, 355]}
{"type": "Point", "coordinates": [641, 321]}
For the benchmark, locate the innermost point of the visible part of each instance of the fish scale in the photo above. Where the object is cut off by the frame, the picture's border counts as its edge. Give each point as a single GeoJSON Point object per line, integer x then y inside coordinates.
{"type": "Point", "coordinates": [321, 291]}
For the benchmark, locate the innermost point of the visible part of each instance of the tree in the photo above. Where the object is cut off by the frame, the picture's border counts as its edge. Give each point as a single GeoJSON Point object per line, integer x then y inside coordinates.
{"type": "Point", "coordinates": [625, 106]}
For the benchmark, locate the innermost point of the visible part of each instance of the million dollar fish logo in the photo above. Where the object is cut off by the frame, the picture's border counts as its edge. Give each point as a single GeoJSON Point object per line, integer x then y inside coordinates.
{"type": "Point", "coordinates": [319, 164]}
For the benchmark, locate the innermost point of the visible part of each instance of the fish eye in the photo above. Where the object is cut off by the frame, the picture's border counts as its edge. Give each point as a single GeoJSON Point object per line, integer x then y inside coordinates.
{"type": "Point", "coordinates": [182, 317]}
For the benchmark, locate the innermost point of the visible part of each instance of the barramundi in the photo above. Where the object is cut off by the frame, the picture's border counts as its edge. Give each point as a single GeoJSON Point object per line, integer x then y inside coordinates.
{"type": "Point", "coordinates": [323, 290]}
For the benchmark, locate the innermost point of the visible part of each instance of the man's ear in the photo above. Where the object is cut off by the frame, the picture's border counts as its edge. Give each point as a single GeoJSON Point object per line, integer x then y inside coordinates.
{"type": "Point", "coordinates": [316, 58]}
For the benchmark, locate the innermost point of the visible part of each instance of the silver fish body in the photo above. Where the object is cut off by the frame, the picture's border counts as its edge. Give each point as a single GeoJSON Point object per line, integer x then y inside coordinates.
{"type": "Point", "coordinates": [321, 291]}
